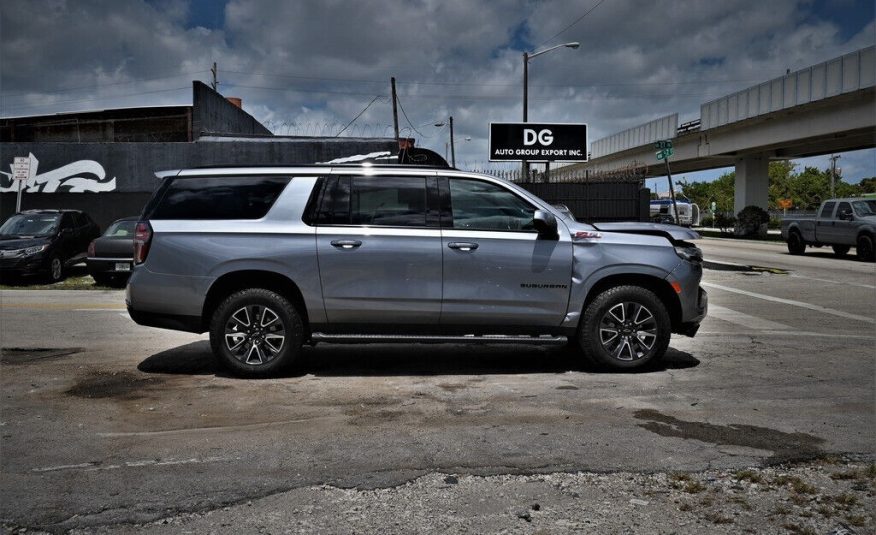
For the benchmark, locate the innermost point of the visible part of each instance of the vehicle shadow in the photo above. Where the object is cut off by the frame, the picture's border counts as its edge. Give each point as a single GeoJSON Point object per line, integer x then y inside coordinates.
{"type": "Point", "coordinates": [337, 360]}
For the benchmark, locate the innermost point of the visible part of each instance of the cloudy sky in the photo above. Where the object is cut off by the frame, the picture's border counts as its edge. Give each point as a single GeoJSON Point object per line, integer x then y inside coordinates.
{"type": "Point", "coordinates": [310, 67]}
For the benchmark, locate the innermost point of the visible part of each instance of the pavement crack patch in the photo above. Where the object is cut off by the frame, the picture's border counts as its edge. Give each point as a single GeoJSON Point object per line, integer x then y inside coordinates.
{"type": "Point", "coordinates": [120, 385]}
{"type": "Point", "coordinates": [785, 446]}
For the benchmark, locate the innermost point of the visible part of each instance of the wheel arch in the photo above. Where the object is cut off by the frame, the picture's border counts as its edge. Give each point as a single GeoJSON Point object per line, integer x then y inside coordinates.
{"type": "Point", "coordinates": [235, 281]}
{"type": "Point", "coordinates": [661, 288]}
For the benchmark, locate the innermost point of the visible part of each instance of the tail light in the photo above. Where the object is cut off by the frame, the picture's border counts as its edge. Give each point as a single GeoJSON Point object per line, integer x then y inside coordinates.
{"type": "Point", "coordinates": [142, 239]}
{"type": "Point", "coordinates": [91, 249]}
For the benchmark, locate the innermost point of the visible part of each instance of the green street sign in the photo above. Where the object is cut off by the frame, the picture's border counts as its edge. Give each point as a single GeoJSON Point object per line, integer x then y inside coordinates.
{"type": "Point", "coordinates": [663, 144]}
{"type": "Point", "coordinates": [665, 153]}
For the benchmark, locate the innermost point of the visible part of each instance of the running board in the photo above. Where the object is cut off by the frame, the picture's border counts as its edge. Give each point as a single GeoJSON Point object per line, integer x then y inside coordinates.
{"type": "Point", "coordinates": [416, 339]}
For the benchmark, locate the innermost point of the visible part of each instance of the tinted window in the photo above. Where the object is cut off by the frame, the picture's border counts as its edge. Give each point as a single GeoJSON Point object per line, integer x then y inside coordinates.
{"type": "Point", "coordinates": [480, 205]}
{"type": "Point", "coordinates": [843, 207]}
{"type": "Point", "coordinates": [827, 210]}
{"type": "Point", "coordinates": [30, 225]}
{"type": "Point", "coordinates": [67, 221]}
{"type": "Point", "coordinates": [219, 198]}
{"type": "Point", "coordinates": [121, 229]}
{"type": "Point", "coordinates": [379, 201]}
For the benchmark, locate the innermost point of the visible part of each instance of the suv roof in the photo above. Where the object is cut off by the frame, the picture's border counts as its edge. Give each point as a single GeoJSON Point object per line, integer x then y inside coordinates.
{"type": "Point", "coordinates": [51, 211]}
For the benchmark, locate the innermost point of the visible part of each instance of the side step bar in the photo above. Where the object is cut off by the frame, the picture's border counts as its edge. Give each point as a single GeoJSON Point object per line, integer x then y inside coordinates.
{"type": "Point", "coordinates": [546, 340]}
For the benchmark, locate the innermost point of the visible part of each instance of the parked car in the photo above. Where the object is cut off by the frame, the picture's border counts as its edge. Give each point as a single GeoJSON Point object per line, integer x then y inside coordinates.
{"type": "Point", "coordinates": [111, 256]}
{"type": "Point", "coordinates": [44, 242]}
{"type": "Point", "coordinates": [269, 258]}
{"type": "Point", "coordinates": [840, 223]}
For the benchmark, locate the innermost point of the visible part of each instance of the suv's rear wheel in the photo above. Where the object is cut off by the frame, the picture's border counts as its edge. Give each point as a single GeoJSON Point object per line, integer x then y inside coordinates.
{"type": "Point", "coordinates": [256, 332]}
{"type": "Point", "coordinates": [625, 327]}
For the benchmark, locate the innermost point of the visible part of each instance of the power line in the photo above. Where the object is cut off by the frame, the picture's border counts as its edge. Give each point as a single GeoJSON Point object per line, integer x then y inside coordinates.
{"type": "Point", "coordinates": [402, 108]}
{"type": "Point", "coordinates": [576, 21]}
{"type": "Point", "coordinates": [100, 86]}
{"type": "Point", "coordinates": [360, 115]}
{"type": "Point", "coordinates": [100, 98]}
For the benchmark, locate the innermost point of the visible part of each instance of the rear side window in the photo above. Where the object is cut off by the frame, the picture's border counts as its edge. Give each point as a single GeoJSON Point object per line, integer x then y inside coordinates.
{"type": "Point", "coordinates": [827, 210]}
{"type": "Point", "coordinates": [374, 201]}
{"type": "Point", "coordinates": [219, 198]}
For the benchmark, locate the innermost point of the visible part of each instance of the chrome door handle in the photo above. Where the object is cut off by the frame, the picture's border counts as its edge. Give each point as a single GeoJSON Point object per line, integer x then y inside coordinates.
{"type": "Point", "coordinates": [346, 244]}
{"type": "Point", "coordinates": [463, 245]}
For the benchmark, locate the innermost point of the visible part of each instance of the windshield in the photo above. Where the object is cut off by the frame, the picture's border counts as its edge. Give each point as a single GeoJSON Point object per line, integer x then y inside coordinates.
{"type": "Point", "coordinates": [864, 208]}
{"type": "Point", "coordinates": [30, 225]}
{"type": "Point", "coordinates": [121, 229]}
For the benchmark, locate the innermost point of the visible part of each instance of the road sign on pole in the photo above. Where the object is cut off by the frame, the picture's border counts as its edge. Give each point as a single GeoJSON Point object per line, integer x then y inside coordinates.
{"type": "Point", "coordinates": [23, 169]}
{"type": "Point", "coordinates": [663, 144]}
{"type": "Point", "coordinates": [665, 153]}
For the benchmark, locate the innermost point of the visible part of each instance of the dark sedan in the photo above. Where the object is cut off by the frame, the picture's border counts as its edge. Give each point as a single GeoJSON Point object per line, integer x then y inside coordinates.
{"type": "Point", "coordinates": [111, 255]}
{"type": "Point", "coordinates": [44, 242]}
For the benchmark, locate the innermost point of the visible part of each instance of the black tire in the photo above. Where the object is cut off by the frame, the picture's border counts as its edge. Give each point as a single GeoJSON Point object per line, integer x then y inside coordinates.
{"type": "Point", "coordinates": [256, 333]}
{"type": "Point", "coordinates": [56, 269]}
{"type": "Point", "coordinates": [840, 250]}
{"type": "Point", "coordinates": [796, 245]}
{"type": "Point", "coordinates": [865, 248]}
{"type": "Point", "coordinates": [638, 320]}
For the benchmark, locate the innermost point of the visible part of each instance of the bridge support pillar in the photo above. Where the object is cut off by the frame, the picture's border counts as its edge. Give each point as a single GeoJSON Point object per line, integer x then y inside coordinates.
{"type": "Point", "coordinates": [752, 182]}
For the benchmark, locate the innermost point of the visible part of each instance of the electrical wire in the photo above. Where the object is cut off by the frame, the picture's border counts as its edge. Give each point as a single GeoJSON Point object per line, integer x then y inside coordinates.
{"type": "Point", "coordinates": [402, 108]}
{"type": "Point", "coordinates": [360, 115]}
{"type": "Point", "coordinates": [576, 21]}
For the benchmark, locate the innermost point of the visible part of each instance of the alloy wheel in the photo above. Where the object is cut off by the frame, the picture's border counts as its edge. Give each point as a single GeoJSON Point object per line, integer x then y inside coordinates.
{"type": "Point", "coordinates": [255, 334]}
{"type": "Point", "coordinates": [628, 331]}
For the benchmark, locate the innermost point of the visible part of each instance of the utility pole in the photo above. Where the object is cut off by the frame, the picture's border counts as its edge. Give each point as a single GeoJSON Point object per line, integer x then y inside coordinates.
{"type": "Point", "coordinates": [394, 109]}
{"type": "Point", "coordinates": [833, 160]}
{"type": "Point", "coordinates": [215, 72]}
{"type": "Point", "coordinates": [452, 146]}
{"type": "Point", "coordinates": [524, 170]}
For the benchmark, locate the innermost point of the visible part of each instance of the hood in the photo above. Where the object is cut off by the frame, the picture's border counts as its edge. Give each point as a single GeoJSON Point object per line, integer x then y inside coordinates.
{"type": "Point", "coordinates": [10, 244]}
{"type": "Point", "coordinates": [673, 232]}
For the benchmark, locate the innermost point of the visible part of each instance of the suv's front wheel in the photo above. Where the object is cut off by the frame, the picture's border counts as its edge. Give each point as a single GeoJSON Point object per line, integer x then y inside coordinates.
{"type": "Point", "coordinates": [256, 332]}
{"type": "Point", "coordinates": [625, 327]}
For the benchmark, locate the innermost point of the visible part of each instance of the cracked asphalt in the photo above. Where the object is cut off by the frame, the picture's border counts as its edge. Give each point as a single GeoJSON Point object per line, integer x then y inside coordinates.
{"type": "Point", "coordinates": [107, 425]}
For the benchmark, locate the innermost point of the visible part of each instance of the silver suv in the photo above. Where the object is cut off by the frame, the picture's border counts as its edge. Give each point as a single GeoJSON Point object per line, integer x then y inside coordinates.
{"type": "Point", "coordinates": [269, 258]}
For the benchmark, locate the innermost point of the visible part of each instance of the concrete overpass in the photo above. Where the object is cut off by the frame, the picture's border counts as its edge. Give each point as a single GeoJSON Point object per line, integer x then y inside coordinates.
{"type": "Point", "coordinates": [822, 109]}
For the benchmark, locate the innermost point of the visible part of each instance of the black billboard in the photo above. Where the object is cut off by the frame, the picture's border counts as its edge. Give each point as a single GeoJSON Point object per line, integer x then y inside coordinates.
{"type": "Point", "coordinates": [538, 142]}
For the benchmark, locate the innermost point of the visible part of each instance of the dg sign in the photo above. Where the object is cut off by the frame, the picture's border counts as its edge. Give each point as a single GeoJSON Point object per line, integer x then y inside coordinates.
{"type": "Point", "coordinates": [538, 142]}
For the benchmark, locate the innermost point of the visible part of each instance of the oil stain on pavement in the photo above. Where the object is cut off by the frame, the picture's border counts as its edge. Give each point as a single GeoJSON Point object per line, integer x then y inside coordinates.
{"type": "Point", "coordinates": [785, 446]}
{"type": "Point", "coordinates": [119, 385]}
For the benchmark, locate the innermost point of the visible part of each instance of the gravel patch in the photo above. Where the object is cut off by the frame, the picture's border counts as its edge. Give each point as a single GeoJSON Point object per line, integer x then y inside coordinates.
{"type": "Point", "coordinates": [834, 496]}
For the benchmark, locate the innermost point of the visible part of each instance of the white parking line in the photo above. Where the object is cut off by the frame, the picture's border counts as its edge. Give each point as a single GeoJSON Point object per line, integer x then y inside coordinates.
{"type": "Point", "coordinates": [745, 320]}
{"type": "Point", "coordinates": [844, 283]}
{"type": "Point", "coordinates": [95, 466]}
{"type": "Point", "coordinates": [791, 302]}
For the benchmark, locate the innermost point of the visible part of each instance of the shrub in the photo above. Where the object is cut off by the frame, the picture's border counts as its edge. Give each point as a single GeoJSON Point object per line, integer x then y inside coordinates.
{"type": "Point", "coordinates": [707, 221]}
{"type": "Point", "coordinates": [724, 222]}
{"type": "Point", "coordinates": [752, 222]}
{"type": "Point", "coordinates": [775, 223]}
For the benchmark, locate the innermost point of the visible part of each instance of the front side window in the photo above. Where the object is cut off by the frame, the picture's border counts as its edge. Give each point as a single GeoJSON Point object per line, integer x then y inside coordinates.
{"type": "Point", "coordinates": [479, 205]}
{"type": "Point", "coordinates": [219, 197]}
{"type": "Point", "coordinates": [843, 207]}
{"type": "Point", "coordinates": [377, 201]}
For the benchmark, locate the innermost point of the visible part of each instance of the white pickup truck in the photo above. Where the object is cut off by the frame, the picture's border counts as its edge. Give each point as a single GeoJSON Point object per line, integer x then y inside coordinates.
{"type": "Point", "coordinates": [840, 223]}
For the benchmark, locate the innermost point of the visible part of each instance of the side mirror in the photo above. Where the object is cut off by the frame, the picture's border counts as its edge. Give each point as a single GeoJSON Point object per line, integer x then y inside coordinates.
{"type": "Point", "coordinates": [545, 223]}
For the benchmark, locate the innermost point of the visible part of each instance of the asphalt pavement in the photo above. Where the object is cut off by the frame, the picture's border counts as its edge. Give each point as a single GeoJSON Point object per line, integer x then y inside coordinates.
{"type": "Point", "coordinates": [106, 423]}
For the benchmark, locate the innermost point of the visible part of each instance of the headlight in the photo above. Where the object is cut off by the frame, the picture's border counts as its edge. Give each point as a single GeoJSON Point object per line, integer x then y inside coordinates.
{"type": "Point", "coordinates": [690, 253]}
{"type": "Point", "coordinates": [34, 250]}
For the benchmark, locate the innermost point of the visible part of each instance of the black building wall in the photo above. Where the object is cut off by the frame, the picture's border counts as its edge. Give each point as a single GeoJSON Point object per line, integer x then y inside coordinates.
{"type": "Point", "coordinates": [213, 114]}
{"type": "Point", "coordinates": [124, 172]}
{"type": "Point", "coordinates": [597, 201]}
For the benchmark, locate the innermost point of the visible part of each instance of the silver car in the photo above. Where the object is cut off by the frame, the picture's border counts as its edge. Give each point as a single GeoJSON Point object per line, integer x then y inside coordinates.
{"type": "Point", "coordinates": [269, 258]}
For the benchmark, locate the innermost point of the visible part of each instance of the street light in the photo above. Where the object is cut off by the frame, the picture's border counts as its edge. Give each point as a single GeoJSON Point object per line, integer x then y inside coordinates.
{"type": "Point", "coordinates": [452, 148]}
{"type": "Point", "coordinates": [526, 58]}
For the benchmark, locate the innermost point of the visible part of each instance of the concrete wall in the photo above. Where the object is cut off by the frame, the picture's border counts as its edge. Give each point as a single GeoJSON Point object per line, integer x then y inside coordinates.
{"type": "Point", "coordinates": [112, 180]}
{"type": "Point", "coordinates": [212, 114]}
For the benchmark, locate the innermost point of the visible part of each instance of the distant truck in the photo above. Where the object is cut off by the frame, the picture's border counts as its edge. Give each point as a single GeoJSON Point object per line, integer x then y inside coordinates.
{"type": "Point", "coordinates": [840, 223]}
{"type": "Point", "coordinates": [688, 212]}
